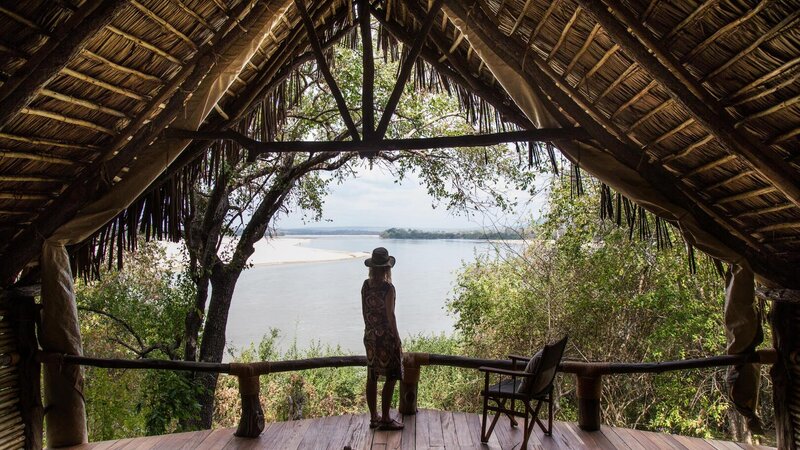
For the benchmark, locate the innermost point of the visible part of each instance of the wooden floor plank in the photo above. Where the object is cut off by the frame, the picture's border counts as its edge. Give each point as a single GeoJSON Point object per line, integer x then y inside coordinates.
{"type": "Point", "coordinates": [295, 434]}
{"type": "Point", "coordinates": [435, 429]}
{"type": "Point", "coordinates": [629, 439]}
{"type": "Point", "coordinates": [448, 430]}
{"type": "Point", "coordinates": [422, 435]}
{"type": "Point", "coordinates": [462, 430]}
{"type": "Point", "coordinates": [409, 437]}
{"type": "Point", "coordinates": [355, 432]}
{"type": "Point", "coordinates": [336, 436]}
{"type": "Point", "coordinates": [694, 443]}
{"type": "Point", "coordinates": [614, 439]}
{"type": "Point", "coordinates": [216, 439]}
{"type": "Point", "coordinates": [593, 439]}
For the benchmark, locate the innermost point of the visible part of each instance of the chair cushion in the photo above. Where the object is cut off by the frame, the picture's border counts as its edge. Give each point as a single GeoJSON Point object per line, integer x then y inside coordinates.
{"type": "Point", "coordinates": [506, 389]}
{"type": "Point", "coordinates": [532, 367]}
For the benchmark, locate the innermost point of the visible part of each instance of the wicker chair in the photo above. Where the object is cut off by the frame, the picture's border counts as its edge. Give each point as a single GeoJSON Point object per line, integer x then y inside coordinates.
{"type": "Point", "coordinates": [534, 384]}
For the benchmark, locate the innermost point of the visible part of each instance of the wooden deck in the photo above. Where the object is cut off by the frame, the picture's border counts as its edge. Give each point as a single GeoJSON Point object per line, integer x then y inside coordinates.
{"type": "Point", "coordinates": [428, 429]}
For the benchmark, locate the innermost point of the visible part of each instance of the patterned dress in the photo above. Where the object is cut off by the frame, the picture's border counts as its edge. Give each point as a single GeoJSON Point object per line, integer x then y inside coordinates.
{"type": "Point", "coordinates": [384, 352]}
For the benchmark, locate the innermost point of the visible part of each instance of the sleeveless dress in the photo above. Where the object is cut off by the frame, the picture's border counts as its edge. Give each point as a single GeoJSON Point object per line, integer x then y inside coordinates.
{"type": "Point", "coordinates": [384, 351]}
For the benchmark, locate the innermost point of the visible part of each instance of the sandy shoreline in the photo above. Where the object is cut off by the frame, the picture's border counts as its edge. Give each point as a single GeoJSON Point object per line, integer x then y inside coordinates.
{"type": "Point", "coordinates": [279, 250]}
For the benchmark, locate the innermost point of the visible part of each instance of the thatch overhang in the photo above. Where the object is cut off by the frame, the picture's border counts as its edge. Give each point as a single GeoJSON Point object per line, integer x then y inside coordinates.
{"type": "Point", "coordinates": [733, 157]}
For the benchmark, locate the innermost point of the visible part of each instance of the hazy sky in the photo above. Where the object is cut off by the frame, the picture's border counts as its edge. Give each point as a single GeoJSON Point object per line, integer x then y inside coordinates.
{"type": "Point", "coordinates": [373, 199]}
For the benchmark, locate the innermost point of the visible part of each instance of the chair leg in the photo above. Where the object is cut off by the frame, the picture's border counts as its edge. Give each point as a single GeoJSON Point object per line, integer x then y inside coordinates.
{"type": "Point", "coordinates": [484, 437]}
{"type": "Point", "coordinates": [550, 413]}
{"type": "Point", "coordinates": [485, 434]}
{"type": "Point", "coordinates": [527, 430]}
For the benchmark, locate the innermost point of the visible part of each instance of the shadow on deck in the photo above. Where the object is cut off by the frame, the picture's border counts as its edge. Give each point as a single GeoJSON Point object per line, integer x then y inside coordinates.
{"type": "Point", "coordinates": [428, 429]}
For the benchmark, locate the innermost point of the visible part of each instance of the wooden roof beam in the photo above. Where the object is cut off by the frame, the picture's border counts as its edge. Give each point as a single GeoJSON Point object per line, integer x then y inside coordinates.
{"type": "Point", "coordinates": [164, 24]}
{"type": "Point", "coordinates": [83, 102]}
{"type": "Point", "coordinates": [41, 157]}
{"type": "Point", "coordinates": [322, 65]}
{"type": "Point", "coordinates": [689, 93]}
{"type": "Point", "coordinates": [586, 44]}
{"type": "Point", "coordinates": [55, 54]}
{"type": "Point", "coordinates": [144, 44]}
{"type": "Point", "coordinates": [563, 36]}
{"type": "Point", "coordinates": [444, 142]}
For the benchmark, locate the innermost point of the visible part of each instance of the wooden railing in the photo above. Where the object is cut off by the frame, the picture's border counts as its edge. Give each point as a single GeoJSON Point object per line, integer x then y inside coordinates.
{"type": "Point", "coordinates": [588, 375]}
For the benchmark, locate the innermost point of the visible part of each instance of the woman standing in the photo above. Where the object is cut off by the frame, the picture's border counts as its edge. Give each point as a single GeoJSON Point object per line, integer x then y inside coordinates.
{"type": "Point", "coordinates": [381, 339]}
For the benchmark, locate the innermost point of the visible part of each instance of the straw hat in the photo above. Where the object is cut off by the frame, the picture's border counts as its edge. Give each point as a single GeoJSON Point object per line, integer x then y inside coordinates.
{"type": "Point", "coordinates": [380, 258]}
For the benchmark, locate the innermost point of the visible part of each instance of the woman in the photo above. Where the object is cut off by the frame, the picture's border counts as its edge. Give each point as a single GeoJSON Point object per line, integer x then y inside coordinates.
{"type": "Point", "coordinates": [381, 339]}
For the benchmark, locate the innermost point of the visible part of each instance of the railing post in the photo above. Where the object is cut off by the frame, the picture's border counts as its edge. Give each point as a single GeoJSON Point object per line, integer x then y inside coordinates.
{"type": "Point", "coordinates": [410, 382]}
{"type": "Point", "coordinates": [251, 423]}
{"type": "Point", "coordinates": [590, 387]}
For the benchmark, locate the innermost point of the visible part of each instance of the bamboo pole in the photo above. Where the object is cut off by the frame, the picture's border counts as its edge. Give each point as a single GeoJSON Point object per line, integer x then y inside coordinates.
{"type": "Point", "coordinates": [47, 142]}
{"type": "Point", "coordinates": [682, 126]}
{"type": "Point", "coordinates": [120, 68]}
{"type": "Point", "coordinates": [586, 44]}
{"type": "Point", "coordinates": [708, 166]}
{"type": "Point", "coordinates": [38, 157]}
{"type": "Point", "coordinates": [84, 103]}
{"type": "Point", "coordinates": [547, 13]}
{"type": "Point", "coordinates": [164, 24]}
{"type": "Point", "coordinates": [746, 195]}
{"type": "Point", "coordinates": [689, 149]}
{"type": "Point", "coordinates": [650, 114]}
{"type": "Point", "coordinates": [68, 120]}
{"type": "Point", "coordinates": [635, 99]}
{"type": "Point", "coordinates": [768, 210]}
{"type": "Point", "coordinates": [107, 86]}
{"type": "Point", "coordinates": [563, 36]}
{"type": "Point", "coordinates": [185, 8]}
{"type": "Point", "coordinates": [728, 180]}
{"type": "Point", "coordinates": [144, 44]}
{"type": "Point", "coordinates": [599, 64]}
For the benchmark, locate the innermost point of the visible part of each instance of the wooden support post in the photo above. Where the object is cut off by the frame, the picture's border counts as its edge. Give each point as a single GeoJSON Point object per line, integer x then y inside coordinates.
{"type": "Point", "coordinates": [251, 423]}
{"type": "Point", "coordinates": [590, 389]}
{"type": "Point", "coordinates": [24, 315]}
{"type": "Point", "coordinates": [368, 78]}
{"type": "Point", "coordinates": [785, 373]}
{"type": "Point", "coordinates": [410, 383]}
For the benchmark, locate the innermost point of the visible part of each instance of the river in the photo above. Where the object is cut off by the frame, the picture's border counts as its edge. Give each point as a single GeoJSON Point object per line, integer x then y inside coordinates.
{"type": "Point", "coordinates": [319, 302]}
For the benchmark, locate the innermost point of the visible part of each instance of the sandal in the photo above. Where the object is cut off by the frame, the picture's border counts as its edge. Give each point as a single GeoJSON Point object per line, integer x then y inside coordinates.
{"type": "Point", "coordinates": [391, 425]}
{"type": "Point", "coordinates": [373, 423]}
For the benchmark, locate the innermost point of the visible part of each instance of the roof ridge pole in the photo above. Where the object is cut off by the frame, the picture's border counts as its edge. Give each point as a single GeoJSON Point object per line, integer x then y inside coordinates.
{"type": "Point", "coordinates": [405, 70]}
{"type": "Point", "coordinates": [638, 44]}
{"type": "Point", "coordinates": [322, 64]}
{"type": "Point", "coordinates": [19, 91]}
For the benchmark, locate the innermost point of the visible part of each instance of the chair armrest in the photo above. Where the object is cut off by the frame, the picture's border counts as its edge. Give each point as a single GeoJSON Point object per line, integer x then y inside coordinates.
{"type": "Point", "coordinates": [519, 358]}
{"type": "Point", "coordinates": [515, 373]}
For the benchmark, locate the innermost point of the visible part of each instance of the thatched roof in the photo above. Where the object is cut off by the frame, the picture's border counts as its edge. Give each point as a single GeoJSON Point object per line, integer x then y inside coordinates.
{"type": "Point", "coordinates": [733, 156]}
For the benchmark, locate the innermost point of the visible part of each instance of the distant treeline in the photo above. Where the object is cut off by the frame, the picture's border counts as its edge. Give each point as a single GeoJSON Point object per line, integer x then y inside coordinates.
{"type": "Point", "coordinates": [408, 233]}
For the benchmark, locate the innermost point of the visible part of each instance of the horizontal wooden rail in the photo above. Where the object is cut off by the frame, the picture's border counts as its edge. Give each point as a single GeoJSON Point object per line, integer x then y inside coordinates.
{"type": "Point", "coordinates": [588, 375]}
{"type": "Point", "coordinates": [767, 356]}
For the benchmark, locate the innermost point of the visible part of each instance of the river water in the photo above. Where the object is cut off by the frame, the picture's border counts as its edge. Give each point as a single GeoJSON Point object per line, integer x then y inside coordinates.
{"type": "Point", "coordinates": [320, 302]}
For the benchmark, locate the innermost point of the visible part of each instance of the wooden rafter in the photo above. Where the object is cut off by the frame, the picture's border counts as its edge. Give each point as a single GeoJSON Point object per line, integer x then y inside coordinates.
{"type": "Point", "coordinates": [105, 85]}
{"type": "Point", "coordinates": [586, 44]}
{"type": "Point", "coordinates": [120, 68]}
{"type": "Point", "coordinates": [563, 36]}
{"type": "Point", "coordinates": [164, 24]}
{"type": "Point", "coordinates": [405, 70]}
{"type": "Point", "coordinates": [82, 102]}
{"type": "Point", "coordinates": [54, 55]}
{"type": "Point", "coordinates": [722, 31]}
{"type": "Point", "coordinates": [685, 90]}
{"type": "Point", "coordinates": [144, 44]}
{"type": "Point", "coordinates": [478, 140]}
{"type": "Point", "coordinates": [68, 120]}
{"type": "Point", "coordinates": [322, 65]}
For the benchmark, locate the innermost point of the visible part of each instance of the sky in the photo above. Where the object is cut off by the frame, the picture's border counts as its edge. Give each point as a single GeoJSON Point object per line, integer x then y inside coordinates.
{"type": "Point", "coordinates": [373, 199]}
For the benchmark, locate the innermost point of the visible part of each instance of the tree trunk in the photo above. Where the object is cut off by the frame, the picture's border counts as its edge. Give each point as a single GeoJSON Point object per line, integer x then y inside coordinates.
{"type": "Point", "coordinates": [194, 318]}
{"type": "Point", "coordinates": [223, 282]}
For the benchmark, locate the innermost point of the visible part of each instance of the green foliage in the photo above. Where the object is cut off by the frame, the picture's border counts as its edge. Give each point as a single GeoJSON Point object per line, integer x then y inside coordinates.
{"type": "Point", "coordinates": [132, 313]}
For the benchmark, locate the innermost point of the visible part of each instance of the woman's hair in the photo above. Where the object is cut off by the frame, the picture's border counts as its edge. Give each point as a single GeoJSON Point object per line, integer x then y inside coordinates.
{"type": "Point", "coordinates": [378, 274]}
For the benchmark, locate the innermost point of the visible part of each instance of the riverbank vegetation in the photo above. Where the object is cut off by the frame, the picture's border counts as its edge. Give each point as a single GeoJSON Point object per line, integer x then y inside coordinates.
{"type": "Point", "coordinates": [408, 233]}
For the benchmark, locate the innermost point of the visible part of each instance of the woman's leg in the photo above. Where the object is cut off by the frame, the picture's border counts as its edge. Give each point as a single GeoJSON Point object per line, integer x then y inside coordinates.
{"type": "Point", "coordinates": [386, 399]}
{"type": "Point", "coordinates": [372, 394]}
